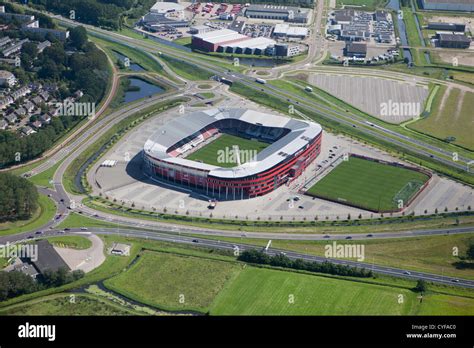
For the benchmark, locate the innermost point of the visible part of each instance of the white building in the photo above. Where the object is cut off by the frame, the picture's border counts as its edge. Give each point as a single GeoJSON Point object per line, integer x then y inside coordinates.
{"type": "Point", "coordinates": [7, 78]}
{"type": "Point", "coordinates": [285, 30]}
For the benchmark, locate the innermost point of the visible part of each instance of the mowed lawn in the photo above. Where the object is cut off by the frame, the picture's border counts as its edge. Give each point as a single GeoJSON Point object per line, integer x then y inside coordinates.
{"type": "Point", "coordinates": [215, 152]}
{"type": "Point", "coordinates": [174, 282]}
{"type": "Point", "coordinates": [451, 119]}
{"type": "Point", "coordinates": [367, 184]}
{"type": "Point", "coordinates": [258, 291]}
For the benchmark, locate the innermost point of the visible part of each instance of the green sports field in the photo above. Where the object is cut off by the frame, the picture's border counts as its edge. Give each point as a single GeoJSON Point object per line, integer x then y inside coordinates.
{"type": "Point", "coordinates": [215, 152]}
{"type": "Point", "coordinates": [369, 185]}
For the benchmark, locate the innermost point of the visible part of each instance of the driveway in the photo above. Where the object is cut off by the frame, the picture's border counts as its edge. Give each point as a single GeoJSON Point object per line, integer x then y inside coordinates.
{"type": "Point", "coordinates": [87, 259]}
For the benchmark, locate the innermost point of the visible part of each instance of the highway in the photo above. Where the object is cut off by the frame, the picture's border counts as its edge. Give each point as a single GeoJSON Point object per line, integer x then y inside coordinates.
{"type": "Point", "coordinates": [239, 247]}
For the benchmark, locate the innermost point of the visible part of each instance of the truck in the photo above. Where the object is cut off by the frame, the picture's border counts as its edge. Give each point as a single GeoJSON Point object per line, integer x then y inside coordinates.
{"type": "Point", "coordinates": [259, 80]}
{"type": "Point", "coordinates": [212, 203]}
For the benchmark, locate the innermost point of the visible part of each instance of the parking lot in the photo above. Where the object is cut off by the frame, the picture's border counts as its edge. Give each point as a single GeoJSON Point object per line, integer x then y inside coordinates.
{"type": "Point", "coordinates": [371, 94]}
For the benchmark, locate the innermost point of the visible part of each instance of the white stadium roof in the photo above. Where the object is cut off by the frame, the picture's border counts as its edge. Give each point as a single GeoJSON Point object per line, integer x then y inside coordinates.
{"type": "Point", "coordinates": [300, 133]}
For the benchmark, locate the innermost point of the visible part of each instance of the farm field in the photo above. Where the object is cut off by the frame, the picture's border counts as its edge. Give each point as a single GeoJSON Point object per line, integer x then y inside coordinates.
{"type": "Point", "coordinates": [367, 184]}
{"type": "Point", "coordinates": [210, 153]}
{"type": "Point", "coordinates": [174, 282]}
{"type": "Point", "coordinates": [450, 119]}
{"type": "Point", "coordinates": [269, 292]}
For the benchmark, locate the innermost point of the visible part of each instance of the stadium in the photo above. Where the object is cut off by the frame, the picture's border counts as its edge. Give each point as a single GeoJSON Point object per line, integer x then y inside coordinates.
{"type": "Point", "coordinates": [230, 154]}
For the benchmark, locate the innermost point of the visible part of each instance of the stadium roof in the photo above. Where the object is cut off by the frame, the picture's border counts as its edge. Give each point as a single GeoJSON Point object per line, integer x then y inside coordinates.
{"type": "Point", "coordinates": [301, 132]}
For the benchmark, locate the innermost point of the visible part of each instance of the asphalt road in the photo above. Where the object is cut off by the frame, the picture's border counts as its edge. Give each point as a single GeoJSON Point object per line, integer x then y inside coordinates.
{"type": "Point", "coordinates": [239, 247]}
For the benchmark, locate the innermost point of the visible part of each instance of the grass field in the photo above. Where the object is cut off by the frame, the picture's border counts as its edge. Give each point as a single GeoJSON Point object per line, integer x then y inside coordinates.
{"type": "Point", "coordinates": [367, 4]}
{"type": "Point", "coordinates": [174, 282]}
{"type": "Point", "coordinates": [78, 220]}
{"type": "Point", "coordinates": [213, 153]}
{"type": "Point", "coordinates": [431, 254]}
{"type": "Point", "coordinates": [72, 242]}
{"type": "Point", "coordinates": [46, 212]}
{"type": "Point", "coordinates": [451, 118]}
{"type": "Point", "coordinates": [186, 70]}
{"type": "Point", "coordinates": [60, 304]}
{"type": "Point", "coordinates": [271, 292]}
{"type": "Point", "coordinates": [367, 184]}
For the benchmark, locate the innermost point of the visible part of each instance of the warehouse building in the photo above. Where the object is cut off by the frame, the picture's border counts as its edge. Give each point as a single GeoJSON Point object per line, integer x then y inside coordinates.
{"type": "Point", "coordinates": [284, 30]}
{"type": "Point", "coordinates": [281, 50]}
{"type": "Point", "coordinates": [229, 41]}
{"type": "Point", "coordinates": [356, 49]}
{"type": "Point", "coordinates": [448, 5]}
{"type": "Point", "coordinates": [285, 13]}
{"type": "Point", "coordinates": [453, 40]}
{"type": "Point", "coordinates": [446, 26]}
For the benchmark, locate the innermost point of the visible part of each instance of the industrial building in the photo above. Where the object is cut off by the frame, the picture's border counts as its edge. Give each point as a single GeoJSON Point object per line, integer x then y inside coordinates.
{"type": "Point", "coordinates": [446, 26]}
{"type": "Point", "coordinates": [285, 13]}
{"type": "Point", "coordinates": [284, 30]}
{"type": "Point", "coordinates": [293, 145]}
{"type": "Point", "coordinates": [200, 29]}
{"type": "Point", "coordinates": [164, 16]}
{"type": "Point", "coordinates": [352, 25]}
{"type": "Point", "coordinates": [356, 49]}
{"type": "Point", "coordinates": [453, 40]}
{"type": "Point", "coordinates": [282, 50]}
{"type": "Point", "coordinates": [448, 5]}
{"type": "Point", "coordinates": [229, 41]}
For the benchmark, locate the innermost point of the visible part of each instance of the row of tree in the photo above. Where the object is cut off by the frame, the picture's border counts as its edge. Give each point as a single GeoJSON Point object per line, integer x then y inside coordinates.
{"type": "Point", "coordinates": [18, 199]}
{"type": "Point", "coordinates": [281, 260]}
{"type": "Point", "coordinates": [103, 13]}
{"type": "Point", "coordinates": [16, 283]}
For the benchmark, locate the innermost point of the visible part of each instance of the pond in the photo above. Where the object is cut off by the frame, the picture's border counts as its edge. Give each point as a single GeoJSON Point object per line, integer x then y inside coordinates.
{"type": "Point", "coordinates": [141, 89]}
{"type": "Point", "coordinates": [133, 66]}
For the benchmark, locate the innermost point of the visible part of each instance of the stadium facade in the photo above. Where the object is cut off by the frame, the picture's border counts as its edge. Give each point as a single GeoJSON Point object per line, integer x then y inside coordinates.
{"type": "Point", "coordinates": [293, 145]}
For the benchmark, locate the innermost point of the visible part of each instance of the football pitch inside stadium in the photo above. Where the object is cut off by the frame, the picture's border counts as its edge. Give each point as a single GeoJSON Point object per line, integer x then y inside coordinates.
{"type": "Point", "coordinates": [368, 184]}
{"type": "Point", "coordinates": [219, 152]}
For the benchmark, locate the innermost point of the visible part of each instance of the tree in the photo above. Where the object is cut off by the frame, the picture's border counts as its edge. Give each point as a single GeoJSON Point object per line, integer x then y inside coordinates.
{"type": "Point", "coordinates": [19, 198]}
{"type": "Point", "coordinates": [78, 37]}
{"type": "Point", "coordinates": [421, 286]}
{"type": "Point", "coordinates": [470, 251]}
